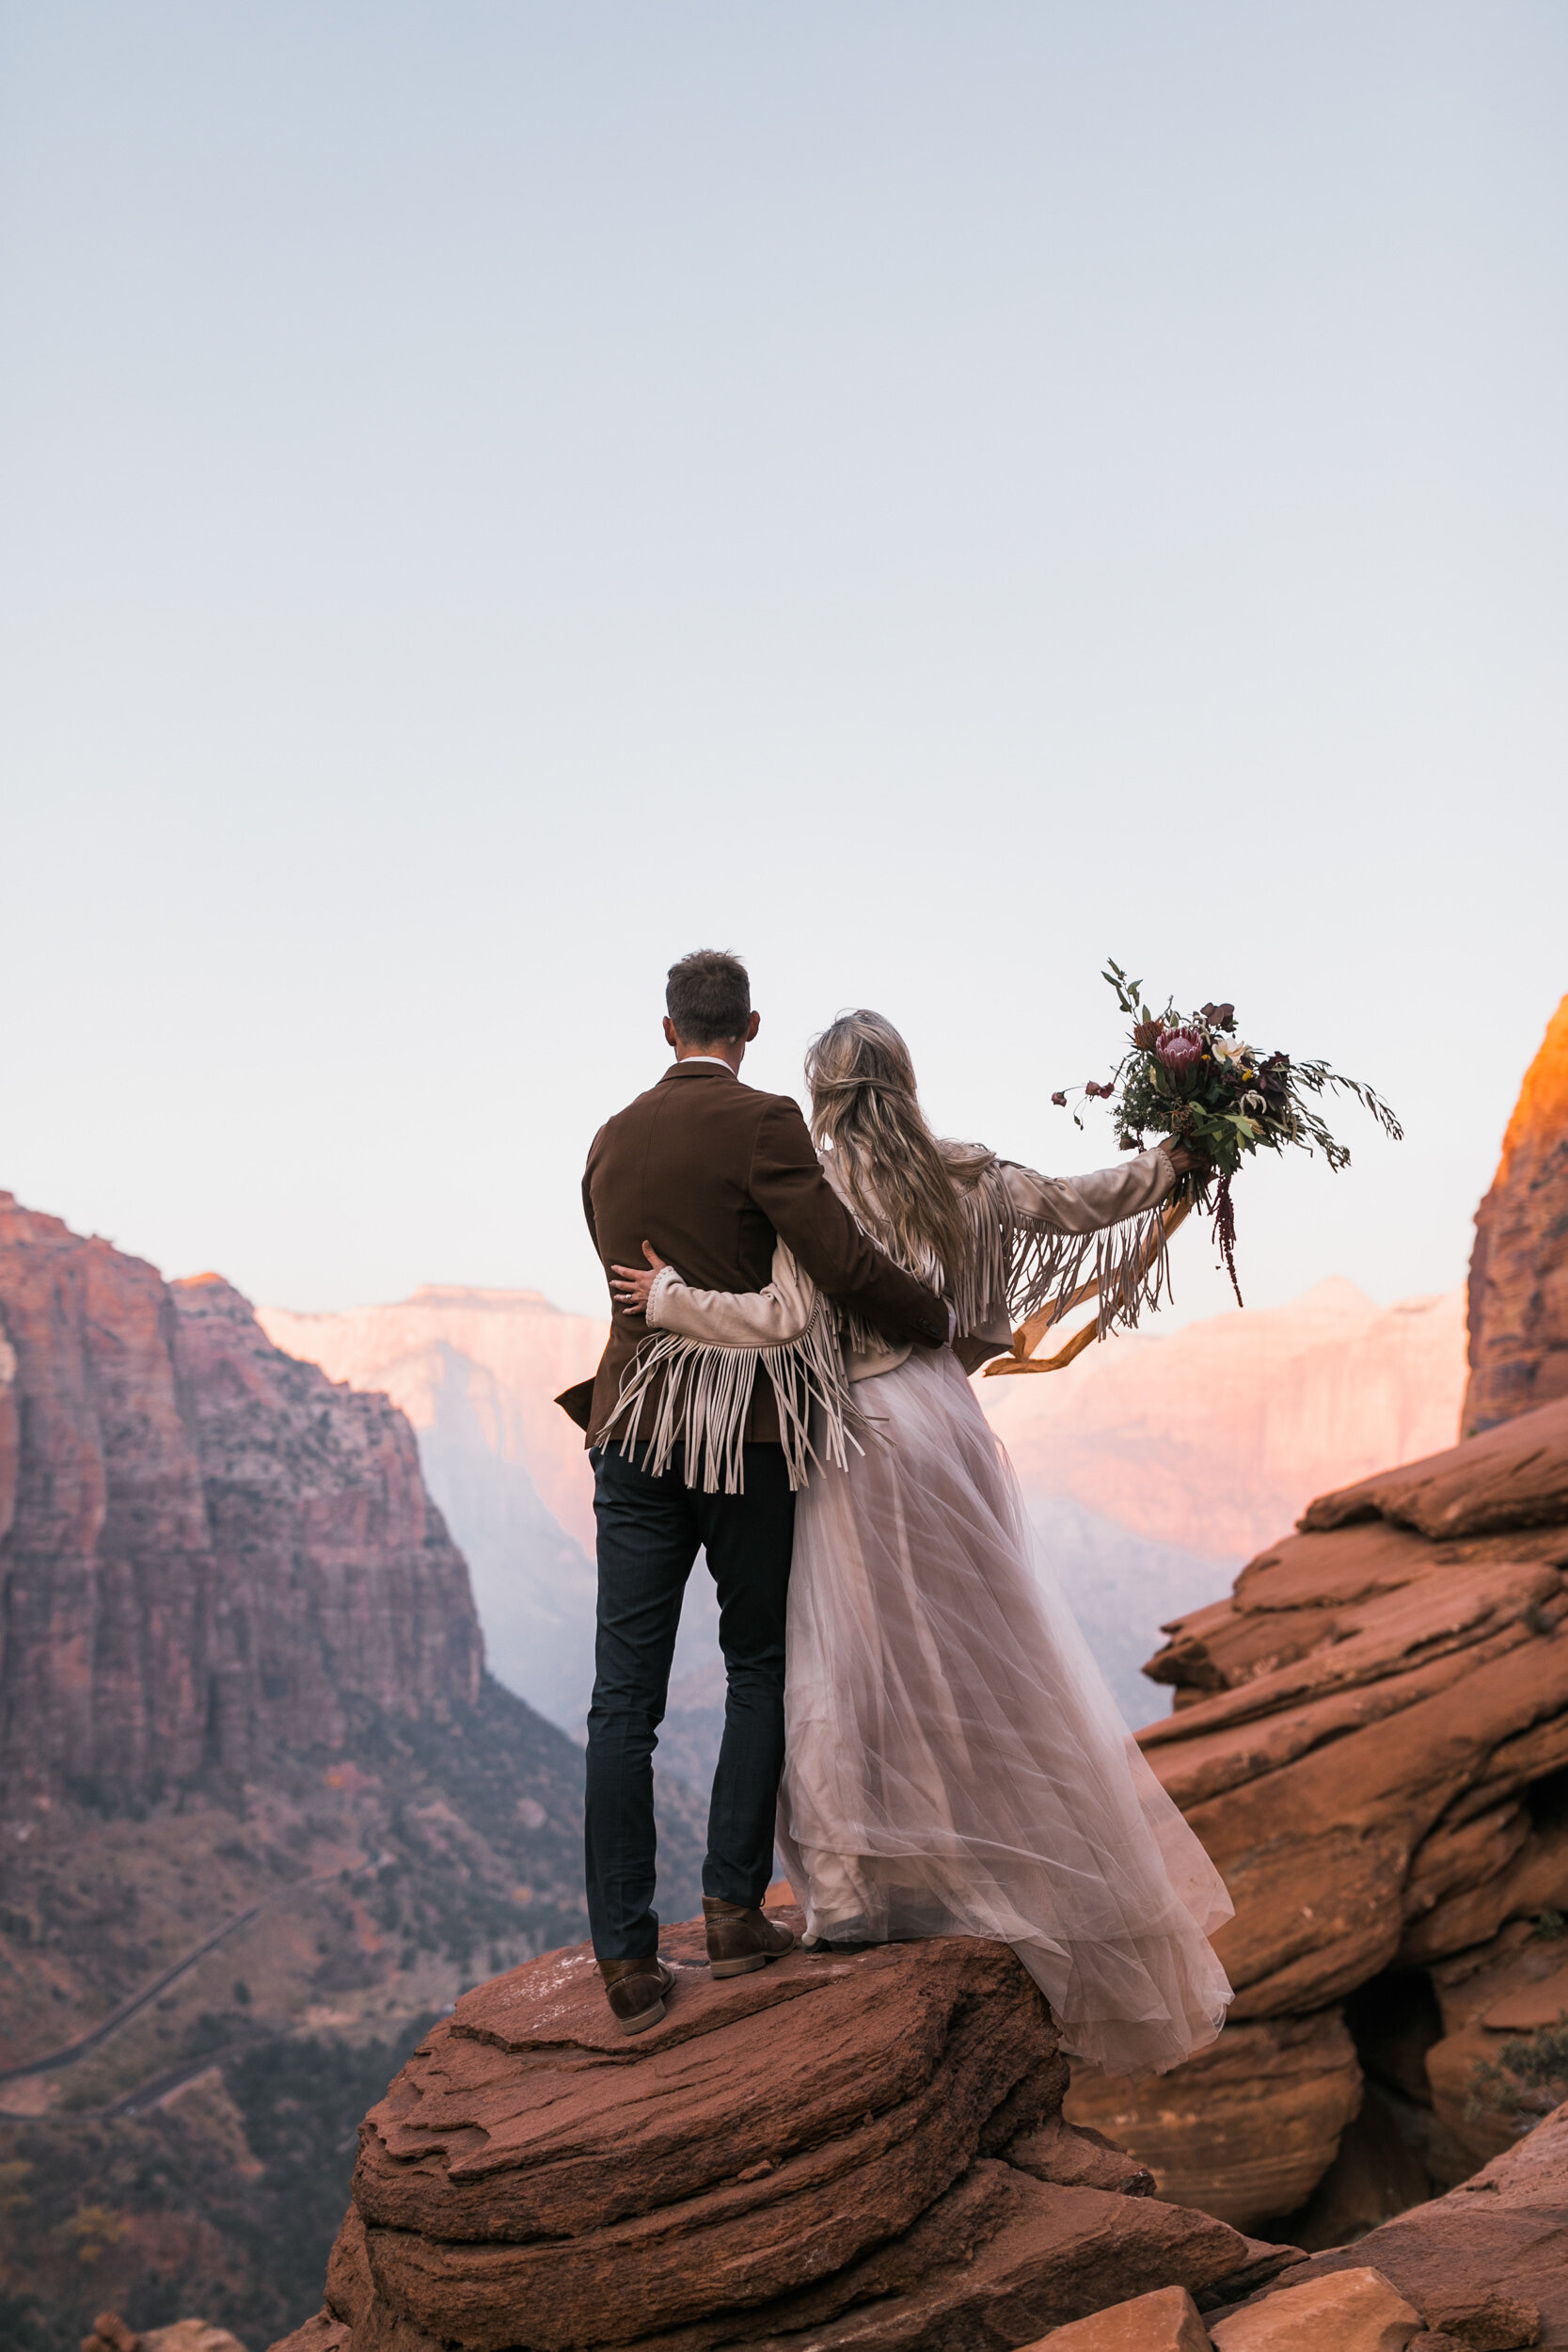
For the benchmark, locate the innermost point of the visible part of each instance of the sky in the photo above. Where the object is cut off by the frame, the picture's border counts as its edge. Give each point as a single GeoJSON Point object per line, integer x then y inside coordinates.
{"type": "Point", "coordinates": [928, 496]}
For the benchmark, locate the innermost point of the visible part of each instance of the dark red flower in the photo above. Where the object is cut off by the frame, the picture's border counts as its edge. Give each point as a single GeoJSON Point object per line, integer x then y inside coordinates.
{"type": "Point", "coordinates": [1060, 1101]}
{"type": "Point", "coordinates": [1180, 1051]}
{"type": "Point", "coordinates": [1220, 1016]}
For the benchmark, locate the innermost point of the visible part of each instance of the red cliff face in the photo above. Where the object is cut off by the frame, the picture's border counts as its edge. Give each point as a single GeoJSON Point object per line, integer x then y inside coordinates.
{"type": "Point", "coordinates": [1519, 1266]}
{"type": "Point", "coordinates": [207, 1551]}
{"type": "Point", "coordinates": [1370, 1738]}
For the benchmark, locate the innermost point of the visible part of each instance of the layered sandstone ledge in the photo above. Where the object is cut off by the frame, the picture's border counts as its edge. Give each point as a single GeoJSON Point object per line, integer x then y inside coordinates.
{"type": "Point", "coordinates": [863, 2154]}
{"type": "Point", "coordinates": [1371, 1740]}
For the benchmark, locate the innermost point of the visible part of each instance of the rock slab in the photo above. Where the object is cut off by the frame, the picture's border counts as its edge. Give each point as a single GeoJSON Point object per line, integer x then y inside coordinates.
{"type": "Point", "coordinates": [1370, 1738]}
{"type": "Point", "coordinates": [1487, 2261]}
{"type": "Point", "coordinates": [1166, 2321]}
{"type": "Point", "coordinates": [863, 2152]}
{"type": "Point", "coordinates": [1357, 2310]}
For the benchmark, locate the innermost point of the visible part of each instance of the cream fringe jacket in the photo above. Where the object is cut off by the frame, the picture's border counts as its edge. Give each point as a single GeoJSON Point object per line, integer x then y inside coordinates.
{"type": "Point", "coordinates": [1031, 1235]}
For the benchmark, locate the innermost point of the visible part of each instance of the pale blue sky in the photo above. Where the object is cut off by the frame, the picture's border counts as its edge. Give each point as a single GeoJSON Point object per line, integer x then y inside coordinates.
{"type": "Point", "coordinates": [928, 495]}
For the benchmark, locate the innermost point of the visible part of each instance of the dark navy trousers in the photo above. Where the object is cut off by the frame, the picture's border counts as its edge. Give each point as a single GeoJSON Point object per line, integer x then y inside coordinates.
{"type": "Point", "coordinates": [650, 1530]}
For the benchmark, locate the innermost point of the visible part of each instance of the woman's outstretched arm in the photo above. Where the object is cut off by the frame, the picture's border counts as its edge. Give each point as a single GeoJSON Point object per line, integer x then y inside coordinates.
{"type": "Point", "coordinates": [1106, 1196]}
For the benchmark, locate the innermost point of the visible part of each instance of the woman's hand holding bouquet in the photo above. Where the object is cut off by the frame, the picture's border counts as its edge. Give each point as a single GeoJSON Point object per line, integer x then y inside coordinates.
{"type": "Point", "coordinates": [1192, 1078]}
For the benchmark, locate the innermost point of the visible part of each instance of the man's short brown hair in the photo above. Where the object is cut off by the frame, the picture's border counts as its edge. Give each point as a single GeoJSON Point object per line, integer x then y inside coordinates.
{"type": "Point", "coordinates": [708, 997]}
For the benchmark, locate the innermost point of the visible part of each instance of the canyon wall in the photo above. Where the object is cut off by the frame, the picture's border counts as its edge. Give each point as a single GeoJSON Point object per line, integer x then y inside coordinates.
{"type": "Point", "coordinates": [1519, 1267]}
{"type": "Point", "coordinates": [523, 1350]}
{"type": "Point", "coordinates": [1215, 1436]}
{"type": "Point", "coordinates": [208, 1552]}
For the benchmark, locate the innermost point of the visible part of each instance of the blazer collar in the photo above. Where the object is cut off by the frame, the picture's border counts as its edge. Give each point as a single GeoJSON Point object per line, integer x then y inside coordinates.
{"type": "Point", "coordinates": [700, 1069]}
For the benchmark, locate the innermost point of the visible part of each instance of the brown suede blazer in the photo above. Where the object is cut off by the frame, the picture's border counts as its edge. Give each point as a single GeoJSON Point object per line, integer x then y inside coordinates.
{"type": "Point", "coordinates": [712, 1172]}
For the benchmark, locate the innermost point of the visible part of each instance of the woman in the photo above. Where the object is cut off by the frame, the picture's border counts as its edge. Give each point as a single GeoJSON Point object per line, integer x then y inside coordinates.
{"type": "Point", "coordinates": [954, 1763]}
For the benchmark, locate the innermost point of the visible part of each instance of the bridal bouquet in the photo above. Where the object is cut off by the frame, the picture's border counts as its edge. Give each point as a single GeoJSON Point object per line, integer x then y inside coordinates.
{"type": "Point", "coordinates": [1193, 1076]}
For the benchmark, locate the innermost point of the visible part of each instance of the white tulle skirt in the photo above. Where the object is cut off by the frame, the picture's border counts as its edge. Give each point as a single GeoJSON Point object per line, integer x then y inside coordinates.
{"type": "Point", "coordinates": [954, 1763]}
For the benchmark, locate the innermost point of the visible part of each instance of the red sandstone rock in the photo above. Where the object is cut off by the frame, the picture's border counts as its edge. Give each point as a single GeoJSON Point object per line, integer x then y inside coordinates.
{"type": "Point", "coordinates": [212, 1552]}
{"type": "Point", "coordinates": [1246, 2129]}
{"type": "Point", "coordinates": [1077, 2156]}
{"type": "Point", "coordinates": [819, 2147]}
{"type": "Point", "coordinates": [1368, 1744]}
{"type": "Point", "coordinates": [1518, 1304]}
{"type": "Point", "coordinates": [1488, 2262]}
{"type": "Point", "coordinates": [1514, 1476]}
{"type": "Point", "coordinates": [1357, 2310]}
{"type": "Point", "coordinates": [1166, 2321]}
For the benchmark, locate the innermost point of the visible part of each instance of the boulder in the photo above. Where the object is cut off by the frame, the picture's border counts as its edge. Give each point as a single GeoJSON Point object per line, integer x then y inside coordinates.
{"type": "Point", "coordinates": [1489, 2257]}
{"type": "Point", "coordinates": [865, 2150]}
{"type": "Point", "coordinates": [1382, 2168]}
{"type": "Point", "coordinates": [1357, 2310]}
{"type": "Point", "coordinates": [1166, 2321]}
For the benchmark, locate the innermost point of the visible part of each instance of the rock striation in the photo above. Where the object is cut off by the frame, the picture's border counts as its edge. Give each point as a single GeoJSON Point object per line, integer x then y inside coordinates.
{"type": "Point", "coordinates": [861, 2154]}
{"type": "Point", "coordinates": [208, 1552]}
{"type": "Point", "coordinates": [1518, 1302]}
{"type": "Point", "coordinates": [1370, 1738]}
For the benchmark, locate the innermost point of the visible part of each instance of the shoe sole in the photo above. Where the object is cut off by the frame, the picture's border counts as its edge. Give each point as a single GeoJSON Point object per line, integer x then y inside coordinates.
{"type": "Point", "coordinates": [643, 2019]}
{"type": "Point", "coordinates": [749, 1966]}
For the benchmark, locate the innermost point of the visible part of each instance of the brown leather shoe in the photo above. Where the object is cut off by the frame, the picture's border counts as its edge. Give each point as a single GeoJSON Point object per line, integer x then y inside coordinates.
{"type": "Point", "coordinates": [636, 1991]}
{"type": "Point", "coordinates": [741, 1938]}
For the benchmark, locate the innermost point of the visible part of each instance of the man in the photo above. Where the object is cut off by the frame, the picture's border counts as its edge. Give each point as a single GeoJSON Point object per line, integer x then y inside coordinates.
{"type": "Point", "coordinates": [710, 1172]}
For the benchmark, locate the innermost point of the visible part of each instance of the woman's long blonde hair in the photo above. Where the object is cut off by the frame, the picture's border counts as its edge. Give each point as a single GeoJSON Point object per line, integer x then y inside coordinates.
{"type": "Point", "coordinates": [905, 1187]}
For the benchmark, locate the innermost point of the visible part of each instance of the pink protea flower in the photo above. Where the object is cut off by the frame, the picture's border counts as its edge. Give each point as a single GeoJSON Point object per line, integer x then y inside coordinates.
{"type": "Point", "coordinates": [1180, 1051]}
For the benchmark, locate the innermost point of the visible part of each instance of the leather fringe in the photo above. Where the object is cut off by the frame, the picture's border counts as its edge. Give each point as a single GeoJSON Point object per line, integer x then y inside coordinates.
{"type": "Point", "coordinates": [1132, 1272]}
{"type": "Point", "coordinates": [1033, 1267]}
{"type": "Point", "coordinates": [704, 1395]}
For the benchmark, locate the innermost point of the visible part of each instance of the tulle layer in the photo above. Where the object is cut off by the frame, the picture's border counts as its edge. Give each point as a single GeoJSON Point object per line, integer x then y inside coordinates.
{"type": "Point", "coordinates": [954, 1763]}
